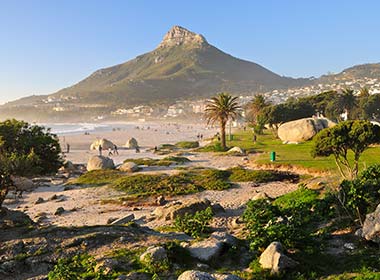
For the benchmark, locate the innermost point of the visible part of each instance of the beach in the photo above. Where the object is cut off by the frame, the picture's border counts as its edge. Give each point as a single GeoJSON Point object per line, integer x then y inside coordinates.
{"type": "Point", "coordinates": [148, 135]}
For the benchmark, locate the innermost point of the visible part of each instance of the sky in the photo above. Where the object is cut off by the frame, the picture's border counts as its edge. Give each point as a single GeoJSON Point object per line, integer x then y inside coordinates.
{"type": "Point", "coordinates": [46, 45]}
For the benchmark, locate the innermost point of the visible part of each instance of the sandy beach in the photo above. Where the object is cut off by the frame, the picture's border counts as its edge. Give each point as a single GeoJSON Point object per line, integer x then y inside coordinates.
{"type": "Point", "coordinates": [148, 135]}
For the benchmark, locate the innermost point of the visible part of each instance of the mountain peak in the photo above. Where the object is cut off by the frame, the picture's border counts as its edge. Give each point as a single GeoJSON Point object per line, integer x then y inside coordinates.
{"type": "Point", "coordinates": [178, 35]}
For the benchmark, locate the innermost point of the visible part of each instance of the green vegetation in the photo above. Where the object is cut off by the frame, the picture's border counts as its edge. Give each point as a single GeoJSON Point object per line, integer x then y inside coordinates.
{"type": "Point", "coordinates": [166, 161]}
{"type": "Point", "coordinates": [239, 174]}
{"type": "Point", "coordinates": [288, 219]}
{"type": "Point", "coordinates": [194, 225]}
{"type": "Point", "coordinates": [355, 136]}
{"type": "Point", "coordinates": [361, 196]}
{"type": "Point", "coordinates": [78, 267]}
{"type": "Point", "coordinates": [26, 150]}
{"type": "Point", "coordinates": [187, 144]}
{"type": "Point", "coordinates": [98, 177]}
{"type": "Point", "coordinates": [221, 109]}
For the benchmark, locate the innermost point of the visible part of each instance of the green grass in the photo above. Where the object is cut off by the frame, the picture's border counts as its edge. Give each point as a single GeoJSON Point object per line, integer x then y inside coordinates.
{"type": "Point", "coordinates": [239, 174]}
{"type": "Point", "coordinates": [298, 155]}
{"type": "Point", "coordinates": [166, 161]}
{"type": "Point", "coordinates": [187, 144]}
{"type": "Point", "coordinates": [98, 177]}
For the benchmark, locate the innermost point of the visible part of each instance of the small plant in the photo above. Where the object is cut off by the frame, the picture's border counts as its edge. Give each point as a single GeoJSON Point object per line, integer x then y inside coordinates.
{"type": "Point", "coordinates": [98, 177]}
{"type": "Point", "coordinates": [78, 267]}
{"type": "Point", "coordinates": [239, 174]}
{"type": "Point", "coordinates": [194, 225]}
{"type": "Point", "coordinates": [187, 144]}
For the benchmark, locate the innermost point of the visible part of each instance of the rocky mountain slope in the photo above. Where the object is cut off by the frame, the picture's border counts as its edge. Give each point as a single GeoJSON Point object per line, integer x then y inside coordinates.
{"type": "Point", "coordinates": [183, 66]}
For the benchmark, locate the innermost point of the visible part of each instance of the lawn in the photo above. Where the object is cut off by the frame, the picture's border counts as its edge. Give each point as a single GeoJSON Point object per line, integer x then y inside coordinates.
{"type": "Point", "coordinates": [293, 154]}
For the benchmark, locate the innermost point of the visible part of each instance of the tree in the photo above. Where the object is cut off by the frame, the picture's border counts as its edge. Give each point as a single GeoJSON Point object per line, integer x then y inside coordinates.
{"type": "Point", "coordinates": [222, 108]}
{"type": "Point", "coordinates": [347, 101]}
{"type": "Point", "coordinates": [26, 150]}
{"type": "Point", "coordinates": [254, 113]}
{"type": "Point", "coordinates": [346, 136]}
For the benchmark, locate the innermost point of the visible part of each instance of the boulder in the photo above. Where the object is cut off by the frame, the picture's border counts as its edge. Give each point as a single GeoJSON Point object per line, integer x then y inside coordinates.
{"type": "Point", "coordinates": [106, 144]}
{"type": "Point", "coordinates": [123, 220]}
{"type": "Point", "coordinates": [154, 255]}
{"type": "Point", "coordinates": [129, 166]}
{"type": "Point", "coordinates": [260, 195]}
{"type": "Point", "coordinates": [303, 129]}
{"type": "Point", "coordinates": [22, 184]}
{"type": "Point", "coordinates": [371, 226]}
{"type": "Point", "coordinates": [226, 277]}
{"type": "Point", "coordinates": [274, 259]}
{"type": "Point", "coordinates": [100, 162]}
{"type": "Point", "coordinates": [195, 275]}
{"type": "Point", "coordinates": [132, 143]}
{"type": "Point", "coordinates": [171, 210]}
{"type": "Point", "coordinates": [236, 150]}
{"type": "Point", "coordinates": [212, 247]}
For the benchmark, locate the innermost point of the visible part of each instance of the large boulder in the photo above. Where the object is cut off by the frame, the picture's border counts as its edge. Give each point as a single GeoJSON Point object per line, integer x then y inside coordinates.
{"type": "Point", "coordinates": [274, 259]}
{"type": "Point", "coordinates": [195, 275]}
{"type": "Point", "coordinates": [100, 162]}
{"type": "Point", "coordinates": [173, 210]}
{"type": "Point", "coordinates": [129, 166]}
{"type": "Point", "coordinates": [303, 129]}
{"type": "Point", "coordinates": [371, 226]}
{"type": "Point", "coordinates": [236, 150]}
{"type": "Point", "coordinates": [106, 144]}
{"type": "Point", "coordinates": [132, 143]}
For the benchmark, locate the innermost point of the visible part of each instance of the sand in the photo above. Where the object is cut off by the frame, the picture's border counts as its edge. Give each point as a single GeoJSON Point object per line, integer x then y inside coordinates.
{"type": "Point", "coordinates": [84, 206]}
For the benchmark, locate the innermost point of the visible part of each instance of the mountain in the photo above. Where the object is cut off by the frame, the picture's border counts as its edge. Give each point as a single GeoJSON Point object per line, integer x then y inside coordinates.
{"type": "Point", "coordinates": [183, 66]}
{"type": "Point", "coordinates": [363, 71]}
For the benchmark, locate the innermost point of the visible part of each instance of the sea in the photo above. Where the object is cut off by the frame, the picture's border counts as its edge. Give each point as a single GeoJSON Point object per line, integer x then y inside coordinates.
{"type": "Point", "coordinates": [81, 128]}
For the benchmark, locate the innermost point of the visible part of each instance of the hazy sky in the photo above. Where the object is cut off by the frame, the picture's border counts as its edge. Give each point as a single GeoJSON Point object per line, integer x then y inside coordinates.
{"type": "Point", "coordinates": [46, 45]}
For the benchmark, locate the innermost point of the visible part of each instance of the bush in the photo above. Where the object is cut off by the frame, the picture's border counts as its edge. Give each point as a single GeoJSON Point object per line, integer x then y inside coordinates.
{"type": "Point", "coordinates": [361, 196]}
{"type": "Point", "coordinates": [166, 161]}
{"type": "Point", "coordinates": [98, 177]}
{"type": "Point", "coordinates": [187, 144]}
{"type": "Point", "coordinates": [78, 267]}
{"type": "Point", "coordinates": [287, 220]}
{"type": "Point", "coordinates": [216, 147]}
{"type": "Point", "coordinates": [194, 225]}
{"type": "Point", "coordinates": [239, 174]}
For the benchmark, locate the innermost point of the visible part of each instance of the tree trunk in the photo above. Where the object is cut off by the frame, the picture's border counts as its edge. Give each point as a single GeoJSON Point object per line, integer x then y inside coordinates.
{"type": "Point", "coordinates": [223, 133]}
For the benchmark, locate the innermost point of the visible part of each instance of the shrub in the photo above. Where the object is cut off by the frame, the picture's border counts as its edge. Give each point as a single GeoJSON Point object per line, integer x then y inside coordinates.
{"type": "Point", "coordinates": [215, 147]}
{"type": "Point", "coordinates": [194, 225]}
{"type": "Point", "coordinates": [98, 177]}
{"type": "Point", "coordinates": [167, 161]}
{"type": "Point", "coordinates": [361, 196]}
{"type": "Point", "coordinates": [78, 267]}
{"type": "Point", "coordinates": [187, 144]}
{"type": "Point", "coordinates": [239, 174]}
{"type": "Point", "coordinates": [287, 220]}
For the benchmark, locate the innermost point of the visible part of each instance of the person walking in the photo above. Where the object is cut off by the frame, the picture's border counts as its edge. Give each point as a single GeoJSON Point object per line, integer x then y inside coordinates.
{"type": "Point", "coordinates": [100, 149]}
{"type": "Point", "coordinates": [110, 152]}
{"type": "Point", "coordinates": [115, 151]}
{"type": "Point", "coordinates": [67, 148]}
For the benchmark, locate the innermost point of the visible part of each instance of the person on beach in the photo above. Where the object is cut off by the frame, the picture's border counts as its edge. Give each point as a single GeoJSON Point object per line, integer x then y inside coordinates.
{"type": "Point", "coordinates": [110, 152]}
{"type": "Point", "coordinates": [115, 151]}
{"type": "Point", "coordinates": [100, 148]}
{"type": "Point", "coordinates": [67, 148]}
{"type": "Point", "coordinates": [137, 150]}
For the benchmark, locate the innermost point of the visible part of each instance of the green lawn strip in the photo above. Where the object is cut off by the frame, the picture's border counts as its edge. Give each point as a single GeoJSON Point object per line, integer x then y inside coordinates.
{"type": "Point", "coordinates": [166, 161]}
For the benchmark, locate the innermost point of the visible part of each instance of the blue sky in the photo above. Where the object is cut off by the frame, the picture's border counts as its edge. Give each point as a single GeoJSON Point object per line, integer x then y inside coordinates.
{"type": "Point", "coordinates": [46, 45]}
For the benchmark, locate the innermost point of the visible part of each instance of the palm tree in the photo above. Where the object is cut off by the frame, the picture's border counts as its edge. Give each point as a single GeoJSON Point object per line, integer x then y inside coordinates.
{"type": "Point", "coordinates": [222, 108]}
{"type": "Point", "coordinates": [348, 101]}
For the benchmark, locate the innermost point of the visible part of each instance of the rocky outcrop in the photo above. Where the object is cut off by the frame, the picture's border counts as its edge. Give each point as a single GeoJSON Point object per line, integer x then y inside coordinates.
{"type": "Point", "coordinates": [22, 184]}
{"type": "Point", "coordinates": [371, 226]}
{"type": "Point", "coordinates": [178, 35]}
{"type": "Point", "coordinates": [274, 259]}
{"type": "Point", "coordinates": [129, 167]}
{"type": "Point", "coordinates": [171, 210]}
{"type": "Point", "coordinates": [132, 143]}
{"type": "Point", "coordinates": [106, 144]}
{"type": "Point", "coordinates": [303, 129]}
{"type": "Point", "coordinates": [100, 162]}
